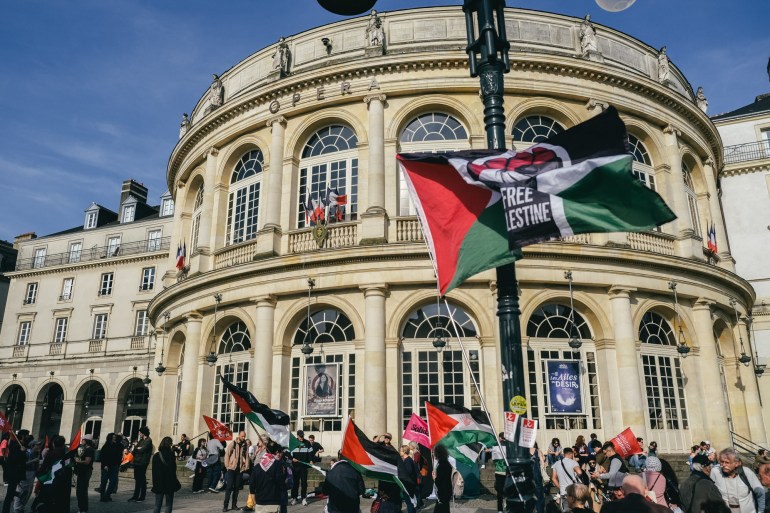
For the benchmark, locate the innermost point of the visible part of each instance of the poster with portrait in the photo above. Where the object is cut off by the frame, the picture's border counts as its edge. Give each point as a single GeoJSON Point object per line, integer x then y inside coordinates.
{"type": "Point", "coordinates": [564, 392]}
{"type": "Point", "coordinates": [321, 389]}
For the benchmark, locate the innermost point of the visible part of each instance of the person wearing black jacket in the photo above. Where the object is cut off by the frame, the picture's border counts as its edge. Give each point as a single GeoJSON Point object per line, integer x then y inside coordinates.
{"type": "Point", "coordinates": [142, 453]}
{"type": "Point", "coordinates": [267, 479]}
{"type": "Point", "coordinates": [110, 457]}
{"type": "Point", "coordinates": [344, 486]}
{"type": "Point", "coordinates": [301, 457]}
{"type": "Point", "coordinates": [408, 474]}
{"type": "Point", "coordinates": [15, 469]}
{"type": "Point", "coordinates": [164, 481]}
{"type": "Point", "coordinates": [442, 477]}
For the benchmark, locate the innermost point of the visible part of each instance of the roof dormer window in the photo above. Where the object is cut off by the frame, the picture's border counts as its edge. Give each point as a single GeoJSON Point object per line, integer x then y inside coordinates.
{"type": "Point", "coordinates": [91, 219]}
{"type": "Point", "coordinates": [129, 212]}
{"type": "Point", "coordinates": [166, 205]}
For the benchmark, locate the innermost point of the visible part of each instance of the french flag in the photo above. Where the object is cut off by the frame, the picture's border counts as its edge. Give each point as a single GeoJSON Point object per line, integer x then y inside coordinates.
{"type": "Point", "coordinates": [181, 254]}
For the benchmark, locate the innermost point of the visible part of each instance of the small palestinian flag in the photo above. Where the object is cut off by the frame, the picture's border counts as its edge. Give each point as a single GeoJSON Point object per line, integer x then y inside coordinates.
{"type": "Point", "coordinates": [274, 422]}
{"type": "Point", "coordinates": [455, 426]}
{"type": "Point", "coordinates": [371, 459]}
{"type": "Point", "coordinates": [66, 460]}
{"type": "Point", "coordinates": [477, 207]}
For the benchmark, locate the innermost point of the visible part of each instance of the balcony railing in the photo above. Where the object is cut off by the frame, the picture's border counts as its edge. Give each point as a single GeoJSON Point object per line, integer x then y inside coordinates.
{"type": "Point", "coordinates": [94, 254]}
{"type": "Point", "coordinates": [654, 242]}
{"type": "Point", "coordinates": [408, 229]}
{"type": "Point", "coordinates": [236, 254]}
{"type": "Point", "coordinates": [340, 236]}
{"type": "Point", "coordinates": [137, 342]}
{"type": "Point", "coordinates": [131, 346]}
{"type": "Point", "coordinates": [55, 348]}
{"type": "Point", "coordinates": [95, 346]}
{"type": "Point", "coordinates": [746, 152]}
{"type": "Point", "coordinates": [20, 351]}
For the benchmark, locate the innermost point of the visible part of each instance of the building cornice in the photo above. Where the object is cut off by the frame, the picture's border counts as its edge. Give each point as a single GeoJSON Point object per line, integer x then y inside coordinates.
{"type": "Point", "coordinates": [93, 264]}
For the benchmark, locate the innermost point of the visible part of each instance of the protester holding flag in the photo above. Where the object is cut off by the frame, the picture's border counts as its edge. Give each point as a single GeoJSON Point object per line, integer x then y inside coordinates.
{"type": "Point", "coordinates": [442, 477]}
{"type": "Point", "coordinates": [4, 453]}
{"type": "Point", "coordinates": [300, 458]}
{"type": "Point", "coordinates": [407, 473]}
{"type": "Point", "coordinates": [213, 465]}
{"type": "Point", "coordinates": [344, 487]}
{"type": "Point", "coordinates": [84, 467]}
{"type": "Point", "coordinates": [267, 480]}
{"type": "Point", "coordinates": [236, 463]}
{"type": "Point", "coordinates": [55, 479]}
{"type": "Point", "coordinates": [199, 455]}
{"type": "Point", "coordinates": [31, 449]}
{"type": "Point", "coordinates": [15, 464]}
{"type": "Point", "coordinates": [142, 453]}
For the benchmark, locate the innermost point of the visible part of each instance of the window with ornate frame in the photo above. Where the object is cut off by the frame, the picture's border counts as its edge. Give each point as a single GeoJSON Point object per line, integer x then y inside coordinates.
{"type": "Point", "coordinates": [662, 372]}
{"type": "Point", "coordinates": [429, 375]}
{"type": "Point", "coordinates": [67, 287]}
{"type": "Point", "coordinates": [329, 161]}
{"type": "Point", "coordinates": [433, 132]}
{"type": "Point", "coordinates": [100, 326]}
{"type": "Point", "coordinates": [243, 198]}
{"type": "Point", "coordinates": [30, 296]}
{"type": "Point", "coordinates": [105, 286]}
{"type": "Point", "coordinates": [235, 343]}
{"type": "Point", "coordinates": [535, 128]}
{"type": "Point", "coordinates": [692, 198]}
{"type": "Point", "coordinates": [60, 331]}
{"type": "Point", "coordinates": [642, 166]}
{"type": "Point", "coordinates": [332, 327]}
{"type": "Point", "coordinates": [142, 323]}
{"type": "Point", "coordinates": [25, 328]}
{"type": "Point", "coordinates": [148, 279]}
{"type": "Point", "coordinates": [196, 218]}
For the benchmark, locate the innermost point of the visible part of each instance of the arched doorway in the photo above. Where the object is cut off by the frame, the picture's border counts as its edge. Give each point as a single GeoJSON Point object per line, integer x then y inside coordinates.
{"type": "Point", "coordinates": [51, 398]}
{"type": "Point", "coordinates": [89, 408]}
{"type": "Point", "coordinates": [12, 404]}
{"type": "Point", "coordinates": [132, 405]}
{"type": "Point", "coordinates": [233, 364]}
{"type": "Point", "coordinates": [730, 377]}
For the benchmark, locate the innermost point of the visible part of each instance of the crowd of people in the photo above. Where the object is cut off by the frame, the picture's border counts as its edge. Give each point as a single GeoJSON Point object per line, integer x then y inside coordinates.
{"type": "Point", "coordinates": [588, 476]}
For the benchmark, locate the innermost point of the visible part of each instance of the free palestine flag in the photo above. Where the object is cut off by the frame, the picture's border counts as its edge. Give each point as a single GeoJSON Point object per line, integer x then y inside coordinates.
{"type": "Point", "coordinates": [625, 444]}
{"type": "Point", "coordinates": [371, 459]}
{"type": "Point", "coordinates": [218, 430]}
{"type": "Point", "coordinates": [457, 427]}
{"type": "Point", "coordinates": [477, 207]}
{"type": "Point", "coordinates": [72, 450]}
{"type": "Point", "coordinates": [274, 422]}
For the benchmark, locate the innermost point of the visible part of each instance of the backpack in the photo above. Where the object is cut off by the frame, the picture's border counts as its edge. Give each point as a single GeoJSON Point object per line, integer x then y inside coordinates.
{"type": "Point", "coordinates": [671, 493]}
{"type": "Point", "coordinates": [742, 475]}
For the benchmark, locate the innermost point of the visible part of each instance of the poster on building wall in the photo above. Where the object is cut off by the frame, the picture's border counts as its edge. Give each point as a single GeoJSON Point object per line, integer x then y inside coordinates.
{"type": "Point", "coordinates": [564, 392]}
{"type": "Point", "coordinates": [321, 389]}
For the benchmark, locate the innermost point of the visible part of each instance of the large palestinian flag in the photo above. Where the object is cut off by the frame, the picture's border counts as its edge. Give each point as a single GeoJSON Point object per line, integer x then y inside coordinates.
{"type": "Point", "coordinates": [477, 207]}
{"type": "Point", "coordinates": [371, 459]}
{"type": "Point", "coordinates": [274, 422]}
{"type": "Point", "coordinates": [455, 426]}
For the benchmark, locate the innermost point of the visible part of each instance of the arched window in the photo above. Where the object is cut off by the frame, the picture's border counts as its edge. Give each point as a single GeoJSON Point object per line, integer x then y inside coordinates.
{"type": "Point", "coordinates": [323, 382]}
{"type": "Point", "coordinates": [549, 329]}
{"type": "Point", "coordinates": [556, 321]}
{"type": "Point", "coordinates": [535, 128]}
{"type": "Point", "coordinates": [663, 378]}
{"type": "Point", "coordinates": [654, 329]}
{"type": "Point", "coordinates": [329, 163]}
{"type": "Point", "coordinates": [243, 203]}
{"type": "Point", "coordinates": [196, 218]}
{"type": "Point", "coordinates": [12, 404]}
{"type": "Point", "coordinates": [434, 132]}
{"type": "Point", "coordinates": [429, 375]}
{"type": "Point", "coordinates": [233, 363]}
{"type": "Point", "coordinates": [692, 198]}
{"type": "Point", "coordinates": [642, 167]}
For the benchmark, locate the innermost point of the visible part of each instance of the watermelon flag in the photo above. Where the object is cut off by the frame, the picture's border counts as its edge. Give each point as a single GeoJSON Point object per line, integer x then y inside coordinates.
{"type": "Point", "coordinates": [478, 207]}
{"type": "Point", "coordinates": [72, 450]}
{"type": "Point", "coordinates": [625, 444]}
{"type": "Point", "coordinates": [371, 459]}
{"type": "Point", "coordinates": [274, 422]}
{"type": "Point", "coordinates": [456, 427]}
{"type": "Point", "coordinates": [417, 431]}
{"type": "Point", "coordinates": [218, 430]}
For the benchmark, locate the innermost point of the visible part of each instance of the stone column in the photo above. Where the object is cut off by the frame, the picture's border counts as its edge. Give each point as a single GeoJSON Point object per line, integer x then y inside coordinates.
{"type": "Point", "coordinates": [750, 390]}
{"type": "Point", "coordinates": [627, 357]}
{"type": "Point", "coordinates": [715, 208]}
{"type": "Point", "coordinates": [393, 376]}
{"type": "Point", "coordinates": [374, 220]}
{"type": "Point", "coordinates": [269, 235]}
{"type": "Point", "coordinates": [612, 416]}
{"type": "Point", "coordinates": [30, 416]}
{"type": "Point", "coordinates": [683, 230]}
{"type": "Point", "coordinates": [111, 417]}
{"type": "Point", "coordinates": [262, 365]}
{"type": "Point", "coordinates": [204, 249]}
{"type": "Point", "coordinates": [711, 401]}
{"type": "Point", "coordinates": [375, 409]}
{"type": "Point", "coordinates": [188, 395]}
{"type": "Point", "coordinates": [69, 425]}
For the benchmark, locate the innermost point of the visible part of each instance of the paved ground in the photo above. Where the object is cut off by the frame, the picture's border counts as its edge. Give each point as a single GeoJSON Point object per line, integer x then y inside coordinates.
{"type": "Point", "coordinates": [186, 501]}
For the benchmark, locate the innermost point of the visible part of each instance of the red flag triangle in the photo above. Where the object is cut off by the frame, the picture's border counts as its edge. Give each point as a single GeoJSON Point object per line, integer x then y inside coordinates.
{"type": "Point", "coordinates": [439, 423]}
{"type": "Point", "coordinates": [352, 448]}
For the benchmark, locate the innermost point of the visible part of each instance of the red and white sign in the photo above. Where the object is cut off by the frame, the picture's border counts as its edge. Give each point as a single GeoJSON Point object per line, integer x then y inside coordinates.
{"type": "Point", "coordinates": [218, 430]}
{"type": "Point", "coordinates": [625, 444]}
{"type": "Point", "coordinates": [509, 426]}
{"type": "Point", "coordinates": [528, 433]}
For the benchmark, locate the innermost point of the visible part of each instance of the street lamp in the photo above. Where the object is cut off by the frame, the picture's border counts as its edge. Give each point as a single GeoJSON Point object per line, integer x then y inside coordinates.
{"type": "Point", "coordinates": [681, 343]}
{"type": "Point", "coordinates": [211, 359]}
{"type": "Point", "coordinates": [160, 369]}
{"type": "Point", "coordinates": [306, 348]}
{"type": "Point", "coordinates": [744, 358]}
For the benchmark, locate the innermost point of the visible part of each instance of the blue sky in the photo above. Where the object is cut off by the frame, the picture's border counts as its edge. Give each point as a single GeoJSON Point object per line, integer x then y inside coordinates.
{"type": "Point", "coordinates": [92, 91]}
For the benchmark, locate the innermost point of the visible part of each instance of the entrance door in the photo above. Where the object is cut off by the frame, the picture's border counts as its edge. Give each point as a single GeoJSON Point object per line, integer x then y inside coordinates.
{"type": "Point", "coordinates": [132, 425]}
{"type": "Point", "coordinates": [93, 426]}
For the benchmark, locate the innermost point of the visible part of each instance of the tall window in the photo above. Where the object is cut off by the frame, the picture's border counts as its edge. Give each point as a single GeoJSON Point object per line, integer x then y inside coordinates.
{"type": "Point", "coordinates": [39, 258]}
{"type": "Point", "coordinates": [166, 207]}
{"type": "Point", "coordinates": [24, 329]}
{"type": "Point", "coordinates": [148, 278]}
{"type": "Point", "coordinates": [129, 212]}
{"type": "Point", "coordinates": [153, 240]}
{"type": "Point", "coordinates": [234, 342]}
{"type": "Point", "coordinates": [329, 161]}
{"type": "Point", "coordinates": [332, 334]}
{"type": "Point", "coordinates": [692, 199]}
{"type": "Point", "coordinates": [642, 167]}
{"type": "Point", "coordinates": [60, 333]}
{"type": "Point", "coordinates": [142, 323]}
{"type": "Point", "coordinates": [66, 289]}
{"type": "Point", "coordinates": [196, 218]}
{"type": "Point", "coordinates": [113, 246]}
{"type": "Point", "coordinates": [91, 220]}
{"type": "Point", "coordinates": [434, 132]}
{"type": "Point", "coordinates": [31, 295]}
{"type": "Point", "coordinates": [243, 202]}
{"type": "Point", "coordinates": [75, 250]}
{"type": "Point", "coordinates": [536, 128]}
{"type": "Point", "coordinates": [432, 376]}
{"type": "Point", "coordinates": [100, 326]}
{"type": "Point", "coordinates": [549, 329]}
{"type": "Point", "coordinates": [663, 378]}
{"type": "Point", "coordinates": [105, 286]}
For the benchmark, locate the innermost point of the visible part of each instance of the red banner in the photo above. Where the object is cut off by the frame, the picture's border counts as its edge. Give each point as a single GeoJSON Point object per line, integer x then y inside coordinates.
{"type": "Point", "coordinates": [625, 444]}
{"type": "Point", "coordinates": [5, 426]}
{"type": "Point", "coordinates": [218, 430]}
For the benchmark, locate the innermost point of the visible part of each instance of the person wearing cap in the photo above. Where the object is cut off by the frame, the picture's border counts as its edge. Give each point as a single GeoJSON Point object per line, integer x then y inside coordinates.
{"type": "Point", "coordinates": [655, 480]}
{"type": "Point", "coordinates": [84, 467]}
{"type": "Point", "coordinates": [698, 487]}
{"type": "Point", "coordinates": [300, 458]}
{"type": "Point", "coordinates": [142, 453]}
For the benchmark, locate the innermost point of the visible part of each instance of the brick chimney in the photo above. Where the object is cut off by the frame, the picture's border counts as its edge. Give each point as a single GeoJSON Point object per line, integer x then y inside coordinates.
{"type": "Point", "coordinates": [133, 188]}
{"type": "Point", "coordinates": [23, 238]}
